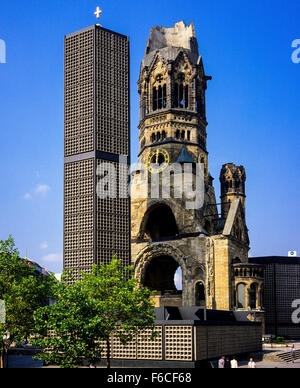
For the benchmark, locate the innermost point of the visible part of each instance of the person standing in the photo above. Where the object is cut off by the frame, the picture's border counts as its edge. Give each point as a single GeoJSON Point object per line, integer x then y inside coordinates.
{"type": "Point", "coordinates": [293, 354]}
{"type": "Point", "coordinates": [227, 363]}
{"type": "Point", "coordinates": [234, 363]}
{"type": "Point", "coordinates": [222, 363]}
{"type": "Point", "coordinates": [251, 364]}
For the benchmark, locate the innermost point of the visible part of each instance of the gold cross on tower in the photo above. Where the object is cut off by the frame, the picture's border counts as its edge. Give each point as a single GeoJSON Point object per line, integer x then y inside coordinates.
{"type": "Point", "coordinates": [98, 13]}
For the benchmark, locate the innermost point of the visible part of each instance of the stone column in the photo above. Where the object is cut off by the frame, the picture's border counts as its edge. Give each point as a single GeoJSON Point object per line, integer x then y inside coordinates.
{"type": "Point", "coordinates": [259, 298]}
{"type": "Point", "coordinates": [247, 296]}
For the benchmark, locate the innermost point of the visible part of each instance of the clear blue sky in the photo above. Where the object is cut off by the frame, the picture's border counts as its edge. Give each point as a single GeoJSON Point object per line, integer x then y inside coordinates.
{"type": "Point", "coordinates": [252, 108]}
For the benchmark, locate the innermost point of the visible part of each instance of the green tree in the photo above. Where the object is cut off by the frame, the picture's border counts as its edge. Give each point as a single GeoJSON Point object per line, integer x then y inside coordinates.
{"type": "Point", "coordinates": [23, 292]}
{"type": "Point", "coordinates": [108, 302]}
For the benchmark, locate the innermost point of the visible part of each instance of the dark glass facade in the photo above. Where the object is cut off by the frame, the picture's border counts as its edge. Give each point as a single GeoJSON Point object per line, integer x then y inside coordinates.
{"type": "Point", "coordinates": [281, 289]}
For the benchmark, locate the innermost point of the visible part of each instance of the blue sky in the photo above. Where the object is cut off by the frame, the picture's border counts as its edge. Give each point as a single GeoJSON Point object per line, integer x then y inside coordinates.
{"type": "Point", "coordinates": [252, 108]}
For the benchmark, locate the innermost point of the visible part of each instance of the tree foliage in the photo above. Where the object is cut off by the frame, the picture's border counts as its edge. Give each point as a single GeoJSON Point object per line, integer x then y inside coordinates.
{"type": "Point", "coordinates": [23, 292]}
{"type": "Point", "coordinates": [108, 302]}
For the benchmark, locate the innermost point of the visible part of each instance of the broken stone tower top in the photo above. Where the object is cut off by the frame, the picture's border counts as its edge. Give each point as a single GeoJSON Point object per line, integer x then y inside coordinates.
{"type": "Point", "coordinates": [170, 40]}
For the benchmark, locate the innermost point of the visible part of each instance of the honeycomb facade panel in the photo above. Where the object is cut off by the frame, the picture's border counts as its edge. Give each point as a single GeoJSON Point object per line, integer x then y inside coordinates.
{"type": "Point", "coordinates": [189, 343]}
{"type": "Point", "coordinates": [78, 215]}
{"type": "Point", "coordinates": [148, 349]}
{"type": "Point", "coordinates": [112, 91]}
{"type": "Point", "coordinates": [120, 351]}
{"type": "Point", "coordinates": [96, 131]}
{"type": "Point", "coordinates": [79, 92]}
{"type": "Point", "coordinates": [179, 343]}
{"type": "Point", "coordinates": [113, 220]}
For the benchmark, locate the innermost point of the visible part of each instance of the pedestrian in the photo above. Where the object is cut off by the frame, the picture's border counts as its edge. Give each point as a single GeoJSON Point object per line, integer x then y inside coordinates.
{"type": "Point", "coordinates": [222, 363]}
{"type": "Point", "coordinates": [251, 364]}
{"type": "Point", "coordinates": [234, 363]}
{"type": "Point", "coordinates": [227, 363]}
{"type": "Point", "coordinates": [293, 354]}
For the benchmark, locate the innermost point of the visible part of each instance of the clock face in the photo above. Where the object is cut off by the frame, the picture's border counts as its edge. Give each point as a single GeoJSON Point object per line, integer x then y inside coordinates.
{"type": "Point", "coordinates": [158, 161]}
{"type": "Point", "coordinates": [203, 160]}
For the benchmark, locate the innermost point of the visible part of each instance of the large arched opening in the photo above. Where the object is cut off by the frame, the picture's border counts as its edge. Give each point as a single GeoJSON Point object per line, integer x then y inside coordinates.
{"type": "Point", "coordinates": [162, 268]}
{"type": "Point", "coordinates": [160, 275]}
{"type": "Point", "coordinates": [161, 224]}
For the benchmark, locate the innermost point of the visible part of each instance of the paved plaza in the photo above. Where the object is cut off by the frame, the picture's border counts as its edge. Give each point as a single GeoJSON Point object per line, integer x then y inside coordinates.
{"type": "Point", "coordinates": [16, 362]}
{"type": "Point", "coordinates": [273, 365]}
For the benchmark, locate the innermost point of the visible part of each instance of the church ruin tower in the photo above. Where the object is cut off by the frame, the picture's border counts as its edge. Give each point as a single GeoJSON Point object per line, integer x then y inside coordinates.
{"type": "Point", "coordinates": [166, 232]}
{"type": "Point", "coordinates": [233, 179]}
{"type": "Point", "coordinates": [172, 79]}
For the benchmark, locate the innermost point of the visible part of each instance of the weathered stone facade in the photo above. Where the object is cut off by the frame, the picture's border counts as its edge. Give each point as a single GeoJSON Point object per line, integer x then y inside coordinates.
{"type": "Point", "coordinates": [166, 233]}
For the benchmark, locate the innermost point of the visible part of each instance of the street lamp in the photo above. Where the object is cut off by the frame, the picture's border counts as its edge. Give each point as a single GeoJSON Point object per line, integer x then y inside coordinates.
{"type": "Point", "coordinates": [6, 342]}
{"type": "Point", "coordinates": [6, 337]}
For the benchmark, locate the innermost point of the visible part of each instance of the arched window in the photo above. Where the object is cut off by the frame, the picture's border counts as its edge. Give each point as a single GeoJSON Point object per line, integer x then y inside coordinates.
{"type": "Point", "coordinates": [181, 93]}
{"type": "Point", "coordinates": [159, 97]}
{"type": "Point", "coordinates": [154, 99]}
{"type": "Point", "coordinates": [241, 296]}
{"type": "Point", "coordinates": [177, 134]}
{"type": "Point", "coordinates": [253, 296]}
{"type": "Point", "coordinates": [164, 98]}
{"type": "Point", "coordinates": [200, 296]}
{"type": "Point", "coordinates": [163, 135]}
{"type": "Point", "coordinates": [161, 224]}
{"type": "Point", "coordinates": [153, 137]}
